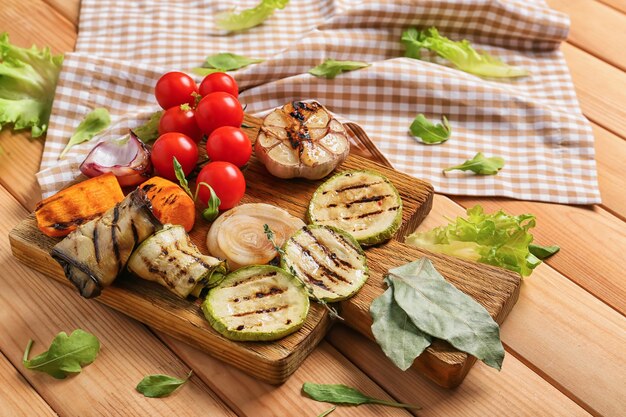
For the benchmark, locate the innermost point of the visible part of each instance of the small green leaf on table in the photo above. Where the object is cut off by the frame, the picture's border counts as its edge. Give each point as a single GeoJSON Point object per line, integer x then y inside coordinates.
{"type": "Point", "coordinates": [66, 354]}
{"type": "Point", "coordinates": [428, 132]}
{"type": "Point", "coordinates": [543, 252]}
{"type": "Point", "coordinates": [331, 68]}
{"type": "Point", "coordinates": [159, 385]}
{"type": "Point", "coordinates": [327, 412]}
{"type": "Point", "coordinates": [343, 394]}
{"type": "Point", "coordinates": [480, 165]}
{"type": "Point", "coordinates": [95, 122]}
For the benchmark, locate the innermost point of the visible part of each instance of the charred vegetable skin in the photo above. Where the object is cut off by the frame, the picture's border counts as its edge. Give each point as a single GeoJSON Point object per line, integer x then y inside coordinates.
{"type": "Point", "coordinates": [363, 203]}
{"type": "Point", "coordinates": [170, 258]}
{"type": "Point", "coordinates": [328, 260]}
{"type": "Point", "coordinates": [301, 140]}
{"type": "Point", "coordinates": [257, 303]}
{"type": "Point", "coordinates": [93, 255]}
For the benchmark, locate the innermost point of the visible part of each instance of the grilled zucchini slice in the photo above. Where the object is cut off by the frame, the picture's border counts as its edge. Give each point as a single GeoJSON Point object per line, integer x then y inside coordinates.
{"type": "Point", "coordinates": [363, 203]}
{"type": "Point", "coordinates": [257, 303]}
{"type": "Point", "coordinates": [327, 259]}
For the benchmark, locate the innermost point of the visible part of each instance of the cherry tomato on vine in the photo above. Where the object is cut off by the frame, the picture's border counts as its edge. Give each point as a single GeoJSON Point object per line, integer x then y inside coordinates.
{"type": "Point", "coordinates": [181, 119]}
{"type": "Point", "coordinates": [175, 88]}
{"type": "Point", "coordinates": [219, 81]}
{"type": "Point", "coordinates": [229, 144]}
{"type": "Point", "coordinates": [170, 145]}
{"type": "Point", "coordinates": [217, 110]}
{"type": "Point", "coordinates": [226, 180]}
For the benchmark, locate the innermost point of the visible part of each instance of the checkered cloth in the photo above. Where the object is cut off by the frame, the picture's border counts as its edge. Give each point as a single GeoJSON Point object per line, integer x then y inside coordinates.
{"type": "Point", "coordinates": [534, 123]}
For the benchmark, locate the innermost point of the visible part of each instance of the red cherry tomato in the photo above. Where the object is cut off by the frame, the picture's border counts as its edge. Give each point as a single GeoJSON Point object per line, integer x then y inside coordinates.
{"type": "Point", "coordinates": [181, 119]}
{"type": "Point", "coordinates": [175, 88]}
{"type": "Point", "coordinates": [229, 144]}
{"type": "Point", "coordinates": [226, 180]}
{"type": "Point", "coordinates": [217, 110]}
{"type": "Point", "coordinates": [219, 81]}
{"type": "Point", "coordinates": [172, 145]}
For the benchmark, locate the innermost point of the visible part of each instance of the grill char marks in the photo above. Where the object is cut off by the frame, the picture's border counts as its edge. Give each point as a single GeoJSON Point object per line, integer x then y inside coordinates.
{"type": "Point", "coordinates": [261, 311]}
{"type": "Point", "coordinates": [352, 187]}
{"type": "Point", "coordinates": [327, 272]}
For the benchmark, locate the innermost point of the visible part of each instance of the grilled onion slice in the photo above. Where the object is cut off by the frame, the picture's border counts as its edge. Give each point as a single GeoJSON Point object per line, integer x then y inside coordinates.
{"type": "Point", "coordinates": [328, 260]}
{"type": "Point", "coordinates": [363, 203]}
{"type": "Point", "coordinates": [257, 303]}
{"type": "Point", "coordinates": [301, 140]}
{"type": "Point", "coordinates": [238, 234]}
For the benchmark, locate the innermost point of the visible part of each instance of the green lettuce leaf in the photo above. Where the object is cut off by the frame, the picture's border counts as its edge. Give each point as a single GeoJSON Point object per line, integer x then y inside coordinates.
{"type": "Point", "coordinates": [249, 18]}
{"type": "Point", "coordinates": [28, 78]}
{"type": "Point", "coordinates": [460, 53]}
{"type": "Point", "coordinates": [331, 68]}
{"type": "Point", "coordinates": [498, 239]}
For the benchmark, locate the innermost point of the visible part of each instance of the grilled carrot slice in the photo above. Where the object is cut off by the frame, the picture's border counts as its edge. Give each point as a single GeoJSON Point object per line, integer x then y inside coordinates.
{"type": "Point", "coordinates": [63, 212]}
{"type": "Point", "coordinates": [170, 203]}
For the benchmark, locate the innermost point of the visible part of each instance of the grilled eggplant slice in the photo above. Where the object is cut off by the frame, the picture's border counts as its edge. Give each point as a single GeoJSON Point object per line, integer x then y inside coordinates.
{"type": "Point", "coordinates": [301, 140]}
{"type": "Point", "coordinates": [170, 258]}
{"type": "Point", "coordinates": [363, 203]}
{"type": "Point", "coordinates": [257, 303]}
{"type": "Point", "coordinates": [93, 255]}
{"type": "Point", "coordinates": [328, 260]}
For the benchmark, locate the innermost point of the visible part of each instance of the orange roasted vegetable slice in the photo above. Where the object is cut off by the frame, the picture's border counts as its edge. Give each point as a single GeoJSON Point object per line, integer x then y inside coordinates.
{"type": "Point", "coordinates": [170, 203]}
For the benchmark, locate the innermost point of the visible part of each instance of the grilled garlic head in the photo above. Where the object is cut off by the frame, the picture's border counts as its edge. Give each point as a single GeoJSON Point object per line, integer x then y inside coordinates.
{"type": "Point", "coordinates": [301, 140]}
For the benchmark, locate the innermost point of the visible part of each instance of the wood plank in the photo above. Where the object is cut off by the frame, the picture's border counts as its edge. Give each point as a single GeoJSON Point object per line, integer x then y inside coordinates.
{"type": "Point", "coordinates": [17, 396]}
{"type": "Point", "coordinates": [604, 40]}
{"type": "Point", "coordinates": [490, 393]}
{"type": "Point", "coordinates": [619, 5]}
{"type": "Point", "coordinates": [561, 331]}
{"type": "Point", "coordinates": [599, 89]}
{"type": "Point", "coordinates": [129, 351]}
{"type": "Point", "coordinates": [610, 157]}
{"type": "Point", "coordinates": [576, 230]}
{"type": "Point", "coordinates": [69, 9]}
{"type": "Point", "coordinates": [324, 365]}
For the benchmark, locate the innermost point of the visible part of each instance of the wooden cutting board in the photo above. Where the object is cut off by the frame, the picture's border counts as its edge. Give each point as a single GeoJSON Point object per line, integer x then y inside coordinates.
{"type": "Point", "coordinates": [273, 362]}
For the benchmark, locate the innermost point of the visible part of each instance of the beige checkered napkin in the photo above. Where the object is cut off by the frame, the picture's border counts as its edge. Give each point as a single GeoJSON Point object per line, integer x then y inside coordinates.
{"type": "Point", "coordinates": [534, 123]}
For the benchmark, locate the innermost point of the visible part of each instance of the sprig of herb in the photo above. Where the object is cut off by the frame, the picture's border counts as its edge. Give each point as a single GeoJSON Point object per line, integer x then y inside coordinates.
{"type": "Point", "coordinates": [343, 394]}
{"type": "Point", "coordinates": [159, 385]}
{"type": "Point", "coordinates": [480, 165]}
{"type": "Point", "coordinates": [269, 233]}
{"type": "Point", "coordinates": [327, 412]}
{"type": "Point", "coordinates": [428, 132]}
{"type": "Point", "coordinates": [94, 122]}
{"type": "Point", "coordinates": [212, 211]}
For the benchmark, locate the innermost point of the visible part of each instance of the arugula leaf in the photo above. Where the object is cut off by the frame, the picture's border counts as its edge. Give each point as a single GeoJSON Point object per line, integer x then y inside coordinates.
{"type": "Point", "coordinates": [480, 165]}
{"type": "Point", "coordinates": [213, 205]}
{"type": "Point", "coordinates": [159, 385]}
{"type": "Point", "coordinates": [343, 394]}
{"type": "Point", "coordinates": [66, 354]}
{"type": "Point", "coordinates": [327, 412]}
{"type": "Point", "coordinates": [543, 252]}
{"type": "Point", "coordinates": [496, 239]}
{"type": "Point", "coordinates": [228, 62]}
{"type": "Point", "coordinates": [95, 122]}
{"type": "Point", "coordinates": [28, 78]}
{"type": "Point", "coordinates": [249, 18]}
{"type": "Point", "coordinates": [331, 68]}
{"type": "Point", "coordinates": [180, 176]}
{"type": "Point", "coordinates": [394, 331]}
{"type": "Point", "coordinates": [440, 310]}
{"type": "Point", "coordinates": [149, 131]}
{"type": "Point", "coordinates": [461, 54]}
{"type": "Point", "coordinates": [428, 132]}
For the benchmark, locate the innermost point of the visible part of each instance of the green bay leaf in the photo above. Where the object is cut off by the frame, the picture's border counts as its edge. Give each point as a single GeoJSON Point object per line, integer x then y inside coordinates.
{"type": "Point", "coordinates": [343, 394]}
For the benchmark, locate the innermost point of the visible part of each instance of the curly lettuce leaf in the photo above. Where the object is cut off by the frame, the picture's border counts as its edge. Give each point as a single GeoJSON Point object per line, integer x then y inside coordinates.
{"type": "Point", "coordinates": [249, 18]}
{"type": "Point", "coordinates": [498, 239]}
{"type": "Point", "coordinates": [28, 79]}
{"type": "Point", "coordinates": [461, 54]}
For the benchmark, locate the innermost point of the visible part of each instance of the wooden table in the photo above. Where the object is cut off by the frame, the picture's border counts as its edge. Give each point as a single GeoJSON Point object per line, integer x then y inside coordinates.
{"type": "Point", "coordinates": [564, 340]}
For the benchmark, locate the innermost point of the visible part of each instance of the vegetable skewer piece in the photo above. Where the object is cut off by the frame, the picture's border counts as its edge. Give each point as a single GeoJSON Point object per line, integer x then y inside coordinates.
{"type": "Point", "coordinates": [257, 303]}
{"type": "Point", "coordinates": [170, 203]}
{"type": "Point", "coordinates": [239, 237]}
{"type": "Point", "coordinates": [170, 258]}
{"type": "Point", "coordinates": [363, 203]}
{"type": "Point", "coordinates": [63, 212]}
{"type": "Point", "coordinates": [327, 259]}
{"type": "Point", "coordinates": [93, 255]}
{"type": "Point", "coordinates": [301, 140]}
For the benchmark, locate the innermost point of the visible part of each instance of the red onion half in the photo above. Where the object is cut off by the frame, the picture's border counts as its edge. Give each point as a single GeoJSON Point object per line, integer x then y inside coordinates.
{"type": "Point", "coordinates": [126, 157]}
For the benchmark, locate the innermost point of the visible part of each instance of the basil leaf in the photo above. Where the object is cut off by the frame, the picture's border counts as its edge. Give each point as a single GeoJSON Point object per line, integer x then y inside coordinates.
{"type": "Point", "coordinates": [428, 132]}
{"type": "Point", "coordinates": [394, 331]}
{"type": "Point", "coordinates": [439, 309]}
{"type": "Point", "coordinates": [480, 165]}
{"type": "Point", "coordinates": [327, 412]}
{"type": "Point", "coordinates": [249, 18]}
{"type": "Point", "coordinates": [228, 62]}
{"type": "Point", "coordinates": [149, 131]}
{"type": "Point", "coordinates": [95, 122]}
{"type": "Point", "coordinates": [213, 205]}
{"type": "Point", "coordinates": [331, 68]}
{"type": "Point", "coordinates": [461, 54]}
{"type": "Point", "coordinates": [203, 72]}
{"type": "Point", "coordinates": [343, 394]}
{"type": "Point", "coordinates": [159, 385]}
{"type": "Point", "coordinates": [66, 354]}
{"type": "Point", "coordinates": [180, 176]}
{"type": "Point", "coordinates": [543, 252]}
